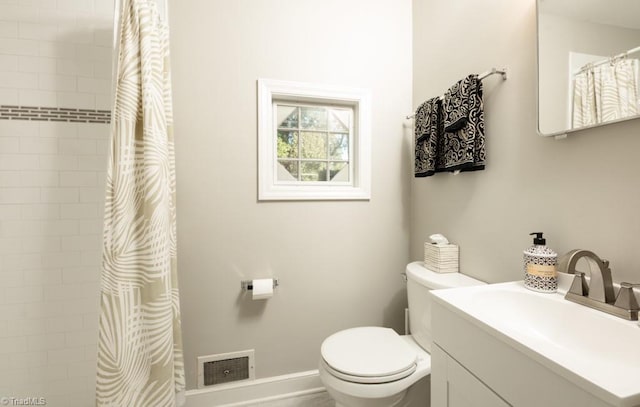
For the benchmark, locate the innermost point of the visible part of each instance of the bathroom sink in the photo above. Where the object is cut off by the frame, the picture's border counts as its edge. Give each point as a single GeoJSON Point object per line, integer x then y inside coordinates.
{"type": "Point", "coordinates": [598, 352]}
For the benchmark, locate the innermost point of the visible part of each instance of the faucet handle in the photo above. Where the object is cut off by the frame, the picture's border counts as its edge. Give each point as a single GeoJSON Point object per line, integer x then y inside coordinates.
{"type": "Point", "coordinates": [579, 285]}
{"type": "Point", "coordinates": [626, 298]}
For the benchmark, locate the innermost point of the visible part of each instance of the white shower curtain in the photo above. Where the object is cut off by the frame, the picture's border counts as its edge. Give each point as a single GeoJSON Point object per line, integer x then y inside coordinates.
{"type": "Point", "coordinates": [605, 92]}
{"type": "Point", "coordinates": [140, 360]}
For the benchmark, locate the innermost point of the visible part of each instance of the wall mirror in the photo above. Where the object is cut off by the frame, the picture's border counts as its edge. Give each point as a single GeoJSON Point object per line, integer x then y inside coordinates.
{"type": "Point", "coordinates": [588, 63]}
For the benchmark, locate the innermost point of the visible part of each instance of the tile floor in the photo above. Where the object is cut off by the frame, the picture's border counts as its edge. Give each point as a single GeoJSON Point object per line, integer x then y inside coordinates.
{"type": "Point", "coordinates": [310, 400]}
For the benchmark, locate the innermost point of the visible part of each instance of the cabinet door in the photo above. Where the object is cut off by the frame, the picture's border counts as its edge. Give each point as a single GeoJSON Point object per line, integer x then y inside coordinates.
{"type": "Point", "coordinates": [454, 386]}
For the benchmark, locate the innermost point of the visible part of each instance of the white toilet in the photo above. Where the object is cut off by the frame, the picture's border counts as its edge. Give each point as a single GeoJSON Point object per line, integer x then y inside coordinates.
{"type": "Point", "coordinates": [376, 367]}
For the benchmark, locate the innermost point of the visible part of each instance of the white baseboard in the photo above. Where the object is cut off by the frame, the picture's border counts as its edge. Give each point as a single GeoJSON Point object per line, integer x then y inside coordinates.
{"type": "Point", "coordinates": [255, 391]}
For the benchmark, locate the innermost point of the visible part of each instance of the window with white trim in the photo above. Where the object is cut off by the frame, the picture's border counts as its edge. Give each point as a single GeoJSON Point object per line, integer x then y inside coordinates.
{"type": "Point", "coordinates": [314, 142]}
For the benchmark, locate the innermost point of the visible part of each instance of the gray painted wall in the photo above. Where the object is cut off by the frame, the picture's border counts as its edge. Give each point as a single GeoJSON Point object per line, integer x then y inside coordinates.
{"type": "Point", "coordinates": [582, 192]}
{"type": "Point", "coordinates": [338, 262]}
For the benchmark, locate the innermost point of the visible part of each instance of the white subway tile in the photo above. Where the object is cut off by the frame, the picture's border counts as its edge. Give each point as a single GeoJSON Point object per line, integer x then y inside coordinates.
{"type": "Point", "coordinates": [58, 162]}
{"type": "Point", "coordinates": [76, 35]}
{"type": "Point", "coordinates": [37, 64]}
{"type": "Point", "coordinates": [79, 211]}
{"type": "Point", "coordinates": [77, 100]}
{"type": "Point", "coordinates": [45, 342]}
{"type": "Point", "coordinates": [75, 5]}
{"type": "Point", "coordinates": [27, 359]}
{"type": "Point", "coordinates": [25, 228]}
{"type": "Point", "coordinates": [15, 376]}
{"type": "Point", "coordinates": [77, 146]}
{"type": "Point", "coordinates": [64, 356]}
{"type": "Point", "coordinates": [10, 245]}
{"type": "Point", "coordinates": [62, 259]}
{"type": "Point", "coordinates": [8, 97]}
{"type": "Point", "coordinates": [41, 244]}
{"type": "Point", "coordinates": [102, 148]}
{"type": "Point", "coordinates": [86, 368]}
{"type": "Point", "coordinates": [92, 162]}
{"type": "Point", "coordinates": [38, 31]}
{"type": "Point", "coordinates": [19, 80]}
{"type": "Point", "coordinates": [9, 145]}
{"type": "Point", "coordinates": [104, 102]}
{"type": "Point", "coordinates": [92, 194]}
{"type": "Point", "coordinates": [10, 279]}
{"type": "Point", "coordinates": [29, 97]}
{"type": "Point", "coordinates": [70, 292]}
{"type": "Point", "coordinates": [11, 11]}
{"type": "Point", "coordinates": [90, 227]}
{"type": "Point", "coordinates": [59, 83]}
{"type": "Point", "coordinates": [38, 145]}
{"type": "Point", "coordinates": [24, 295]}
{"type": "Point", "coordinates": [58, 129]}
{"type": "Point", "coordinates": [21, 261]}
{"type": "Point", "coordinates": [55, 49]}
{"type": "Point", "coordinates": [64, 324]}
{"type": "Point", "coordinates": [81, 338]}
{"type": "Point", "coordinates": [43, 276]}
{"type": "Point", "coordinates": [18, 162]}
{"type": "Point", "coordinates": [40, 211]}
{"type": "Point", "coordinates": [18, 128]}
{"type": "Point", "coordinates": [12, 46]}
{"type": "Point", "coordinates": [93, 131]}
{"type": "Point", "coordinates": [19, 195]}
{"type": "Point", "coordinates": [27, 326]}
{"type": "Point", "coordinates": [10, 211]}
{"type": "Point", "coordinates": [60, 195]}
{"type": "Point", "coordinates": [8, 63]}
{"type": "Point", "coordinates": [8, 29]}
{"type": "Point", "coordinates": [78, 179]}
{"type": "Point", "coordinates": [64, 386]}
{"type": "Point", "coordinates": [103, 71]}
{"type": "Point", "coordinates": [9, 179]}
{"type": "Point", "coordinates": [39, 178]}
{"type": "Point", "coordinates": [80, 275]}
{"type": "Point", "coordinates": [75, 67]}
{"type": "Point", "coordinates": [48, 373]}
{"type": "Point", "coordinates": [92, 258]}
{"type": "Point", "coordinates": [10, 345]}
{"type": "Point", "coordinates": [91, 85]}
{"type": "Point", "coordinates": [81, 242]}
{"type": "Point", "coordinates": [42, 310]}
{"type": "Point", "coordinates": [94, 53]}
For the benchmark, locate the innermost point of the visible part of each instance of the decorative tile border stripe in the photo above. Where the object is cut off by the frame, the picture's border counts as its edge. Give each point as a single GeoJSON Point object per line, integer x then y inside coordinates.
{"type": "Point", "coordinates": [54, 114]}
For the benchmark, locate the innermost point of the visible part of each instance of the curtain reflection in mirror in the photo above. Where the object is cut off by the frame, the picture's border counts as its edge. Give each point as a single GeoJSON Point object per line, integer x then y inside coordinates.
{"type": "Point", "coordinates": [604, 92]}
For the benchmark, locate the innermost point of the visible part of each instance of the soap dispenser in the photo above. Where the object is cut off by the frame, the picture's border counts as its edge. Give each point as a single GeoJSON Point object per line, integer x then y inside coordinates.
{"type": "Point", "coordinates": [540, 272]}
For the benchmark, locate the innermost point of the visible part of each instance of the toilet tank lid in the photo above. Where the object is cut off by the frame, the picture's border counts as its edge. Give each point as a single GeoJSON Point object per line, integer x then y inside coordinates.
{"type": "Point", "coordinates": [416, 271]}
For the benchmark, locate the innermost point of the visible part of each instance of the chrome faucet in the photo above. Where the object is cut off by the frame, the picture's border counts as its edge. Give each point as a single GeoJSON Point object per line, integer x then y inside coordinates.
{"type": "Point", "coordinates": [599, 293]}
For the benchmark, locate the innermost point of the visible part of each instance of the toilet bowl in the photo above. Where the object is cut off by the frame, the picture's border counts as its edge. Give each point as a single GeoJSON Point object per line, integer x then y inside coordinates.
{"type": "Point", "coordinates": [376, 367]}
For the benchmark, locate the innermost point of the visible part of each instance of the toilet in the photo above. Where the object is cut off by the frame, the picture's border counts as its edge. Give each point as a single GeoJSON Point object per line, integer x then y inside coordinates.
{"type": "Point", "coordinates": [376, 367]}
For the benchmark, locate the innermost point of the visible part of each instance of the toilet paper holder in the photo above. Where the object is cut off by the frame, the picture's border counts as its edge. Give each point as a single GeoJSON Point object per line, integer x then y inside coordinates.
{"type": "Point", "coordinates": [247, 285]}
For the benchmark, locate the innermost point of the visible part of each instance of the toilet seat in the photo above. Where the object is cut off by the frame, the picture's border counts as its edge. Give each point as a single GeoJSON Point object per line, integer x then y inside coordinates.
{"type": "Point", "coordinates": [368, 355]}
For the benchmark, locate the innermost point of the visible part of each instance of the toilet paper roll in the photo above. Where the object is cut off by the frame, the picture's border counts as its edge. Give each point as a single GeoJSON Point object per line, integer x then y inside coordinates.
{"type": "Point", "coordinates": [262, 288]}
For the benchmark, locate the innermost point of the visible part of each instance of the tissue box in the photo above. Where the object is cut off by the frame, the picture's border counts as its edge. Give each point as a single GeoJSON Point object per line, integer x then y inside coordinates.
{"type": "Point", "coordinates": [441, 258]}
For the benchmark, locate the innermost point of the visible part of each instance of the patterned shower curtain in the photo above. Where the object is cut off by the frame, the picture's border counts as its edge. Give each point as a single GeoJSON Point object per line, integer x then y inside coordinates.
{"type": "Point", "coordinates": [606, 92]}
{"type": "Point", "coordinates": [140, 360]}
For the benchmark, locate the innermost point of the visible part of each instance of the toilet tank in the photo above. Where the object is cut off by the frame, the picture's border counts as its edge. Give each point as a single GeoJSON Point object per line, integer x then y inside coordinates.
{"type": "Point", "coordinates": [420, 281]}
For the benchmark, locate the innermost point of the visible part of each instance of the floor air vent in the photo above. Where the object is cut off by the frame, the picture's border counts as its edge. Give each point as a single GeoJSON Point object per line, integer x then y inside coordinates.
{"type": "Point", "coordinates": [225, 368]}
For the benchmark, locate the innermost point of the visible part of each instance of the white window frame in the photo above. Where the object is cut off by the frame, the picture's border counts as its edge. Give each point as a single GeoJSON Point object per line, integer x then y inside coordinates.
{"type": "Point", "coordinates": [359, 187]}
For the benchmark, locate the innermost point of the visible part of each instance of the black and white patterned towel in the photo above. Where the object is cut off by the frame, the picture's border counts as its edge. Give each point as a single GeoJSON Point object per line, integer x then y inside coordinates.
{"type": "Point", "coordinates": [463, 142]}
{"type": "Point", "coordinates": [428, 130]}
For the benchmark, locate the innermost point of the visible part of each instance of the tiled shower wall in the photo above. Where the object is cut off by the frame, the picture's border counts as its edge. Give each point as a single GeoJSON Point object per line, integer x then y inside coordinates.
{"type": "Point", "coordinates": [55, 85]}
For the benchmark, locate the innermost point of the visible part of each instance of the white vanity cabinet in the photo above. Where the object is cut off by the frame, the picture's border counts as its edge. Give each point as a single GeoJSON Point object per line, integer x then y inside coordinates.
{"type": "Point", "coordinates": [475, 364]}
{"type": "Point", "coordinates": [454, 386]}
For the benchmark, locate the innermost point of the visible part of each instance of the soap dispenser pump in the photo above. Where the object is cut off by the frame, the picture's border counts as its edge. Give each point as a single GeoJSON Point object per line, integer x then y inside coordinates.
{"type": "Point", "coordinates": [540, 266]}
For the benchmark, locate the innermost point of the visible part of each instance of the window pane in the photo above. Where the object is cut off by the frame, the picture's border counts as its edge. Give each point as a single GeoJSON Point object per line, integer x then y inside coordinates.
{"type": "Point", "coordinates": [313, 118]}
{"type": "Point", "coordinates": [339, 172]}
{"type": "Point", "coordinates": [339, 146]}
{"type": "Point", "coordinates": [314, 144]}
{"type": "Point", "coordinates": [313, 171]}
{"type": "Point", "coordinates": [287, 170]}
{"type": "Point", "coordinates": [287, 144]}
{"type": "Point", "coordinates": [339, 120]}
{"type": "Point", "coordinates": [287, 116]}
